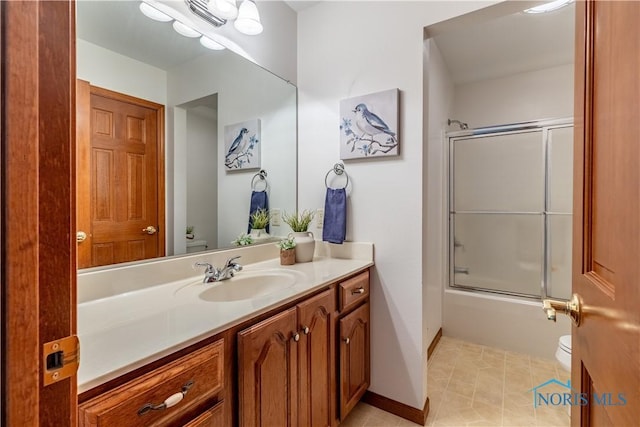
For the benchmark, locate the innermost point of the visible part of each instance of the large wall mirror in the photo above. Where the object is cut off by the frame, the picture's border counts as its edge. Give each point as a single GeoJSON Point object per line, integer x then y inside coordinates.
{"type": "Point", "coordinates": [199, 93]}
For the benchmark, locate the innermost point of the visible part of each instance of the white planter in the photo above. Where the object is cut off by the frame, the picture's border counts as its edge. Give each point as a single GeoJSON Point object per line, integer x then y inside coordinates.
{"type": "Point", "coordinates": [305, 245]}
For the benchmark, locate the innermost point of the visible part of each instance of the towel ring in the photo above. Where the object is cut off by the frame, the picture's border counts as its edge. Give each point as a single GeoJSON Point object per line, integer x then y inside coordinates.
{"type": "Point", "coordinates": [263, 178]}
{"type": "Point", "coordinates": [338, 169]}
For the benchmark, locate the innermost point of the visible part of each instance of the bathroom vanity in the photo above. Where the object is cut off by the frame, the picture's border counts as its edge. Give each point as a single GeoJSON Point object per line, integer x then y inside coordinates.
{"type": "Point", "coordinates": [231, 353]}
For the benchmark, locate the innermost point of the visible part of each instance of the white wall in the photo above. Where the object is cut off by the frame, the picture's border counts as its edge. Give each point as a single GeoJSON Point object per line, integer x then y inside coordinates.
{"type": "Point", "coordinates": [107, 69]}
{"type": "Point", "coordinates": [274, 104]}
{"type": "Point", "coordinates": [202, 191]}
{"type": "Point", "coordinates": [534, 95]}
{"type": "Point", "coordinates": [439, 93]}
{"type": "Point", "coordinates": [353, 48]}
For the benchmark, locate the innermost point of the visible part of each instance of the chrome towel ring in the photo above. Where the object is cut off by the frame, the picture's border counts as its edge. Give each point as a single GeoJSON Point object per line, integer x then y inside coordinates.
{"type": "Point", "coordinates": [262, 175]}
{"type": "Point", "coordinates": [338, 169]}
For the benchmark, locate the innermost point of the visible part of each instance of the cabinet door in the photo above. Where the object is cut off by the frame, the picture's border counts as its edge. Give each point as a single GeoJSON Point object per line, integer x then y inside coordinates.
{"type": "Point", "coordinates": [354, 358]}
{"type": "Point", "coordinates": [267, 372]}
{"type": "Point", "coordinates": [214, 417]}
{"type": "Point", "coordinates": [317, 360]}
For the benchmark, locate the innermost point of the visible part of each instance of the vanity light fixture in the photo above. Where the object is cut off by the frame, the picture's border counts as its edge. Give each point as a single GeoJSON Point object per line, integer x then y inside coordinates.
{"type": "Point", "coordinates": [185, 30]}
{"type": "Point", "coordinates": [548, 7]}
{"type": "Point", "coordinates": [153, 13]}
{"type": "Point", "coordinates": [210, 44]}
{"type": "Point", "coordinates": [219, 12]}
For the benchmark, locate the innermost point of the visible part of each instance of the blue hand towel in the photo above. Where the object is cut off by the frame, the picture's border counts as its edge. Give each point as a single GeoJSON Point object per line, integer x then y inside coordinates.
{"type": "Point", "coordinates": [334, 228]}
{"type": "Point", "coordinates": [259, 200]}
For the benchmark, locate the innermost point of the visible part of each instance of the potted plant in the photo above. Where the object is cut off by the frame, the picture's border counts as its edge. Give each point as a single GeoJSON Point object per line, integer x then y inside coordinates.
{"type": "Point", "coordinates": [190, 229]}
{"type": "Point", "coordinates": [287, 251]}
{"type": "Point", "coordinates": [259, 221]}
{"type": "Point", "coordinates": [243, 240]}
{"type": "Point", "coordinates": [305, 242]}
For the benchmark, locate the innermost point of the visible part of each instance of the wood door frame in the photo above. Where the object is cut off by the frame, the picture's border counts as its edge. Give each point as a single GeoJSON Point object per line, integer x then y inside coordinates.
{"type": "Point", "coordinates": [38, 206]}
{"type": "Point", "coordinates": [85, 90]}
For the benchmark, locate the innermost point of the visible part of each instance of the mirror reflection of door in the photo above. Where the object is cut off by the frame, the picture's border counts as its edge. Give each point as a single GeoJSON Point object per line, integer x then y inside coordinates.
{"type": "Point", "coordinates": [120, 197]}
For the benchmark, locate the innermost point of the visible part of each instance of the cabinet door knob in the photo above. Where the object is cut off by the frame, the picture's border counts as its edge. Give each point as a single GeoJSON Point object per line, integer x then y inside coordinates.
{"type": "Point", "coordinates": [346, 340]}
{"type": "Point", "coordinates": [360, 290]}
{"type": "Point", "coordinates": [296, 336]}
{"type": "Point", "coordinates": [305, 330]}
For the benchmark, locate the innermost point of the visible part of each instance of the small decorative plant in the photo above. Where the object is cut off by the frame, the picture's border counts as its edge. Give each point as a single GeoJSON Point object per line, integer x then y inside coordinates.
{"type": "Point", "coordinates": [243, 240]}
{"type": "Point", "coordinates": [299, 221]}
{"type": "Point", "coordinates": [287, 251]}
{"type": "Point", "coordinates": [260, 219]}
{"type": "Point", "coordinates": [285, 244]}
{"type": "Point", "coordinates": [190, 229]}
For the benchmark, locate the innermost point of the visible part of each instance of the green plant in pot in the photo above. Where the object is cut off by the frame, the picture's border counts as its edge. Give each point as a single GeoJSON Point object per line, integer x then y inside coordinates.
{"type": "Point", "coordinates": [243, 240]}
{"type": "Point", "coordinates": [287, 251]}
{"type": "Point", "coordinates": [190, 230]}
{"type": "Point", "coordinates": [305, 242]}
{"type": "Point", "coordinates": [259, 221]}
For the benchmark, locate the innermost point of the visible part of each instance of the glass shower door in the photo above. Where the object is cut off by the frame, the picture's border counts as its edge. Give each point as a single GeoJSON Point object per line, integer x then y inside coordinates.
{"type": "Point", "coordinates": [509, 217]}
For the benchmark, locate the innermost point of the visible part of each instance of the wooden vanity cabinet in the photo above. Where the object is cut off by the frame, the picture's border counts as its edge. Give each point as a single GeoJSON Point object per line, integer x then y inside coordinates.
{"type": "Point", "coordinates": [195, 381]}
{"type": "Point", "coordinates": [354, 341]}
{"type": "Point", "coordinates": [294, 347]}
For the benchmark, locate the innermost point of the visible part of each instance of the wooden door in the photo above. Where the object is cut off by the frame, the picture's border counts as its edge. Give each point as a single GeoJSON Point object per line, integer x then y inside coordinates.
{"type": "Point", "coordinates": [38, 261]}
{"type": "Point", "coordinates": [267, 372]}
{"type": "Point", "coordinates": [120, 177]}
{"type": "Point", "coordinates": [606, 265]}
{"type": "Point", "coordinates": [354, 358]}
{"type": "Point", "coordinates": [316, 357]}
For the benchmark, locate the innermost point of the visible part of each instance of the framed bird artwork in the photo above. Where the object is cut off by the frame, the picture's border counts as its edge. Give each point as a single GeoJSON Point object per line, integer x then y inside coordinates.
{"type": "Point", "coordinates": [242, 143]}
{"type": "Point", "coordinates": [369, 125]}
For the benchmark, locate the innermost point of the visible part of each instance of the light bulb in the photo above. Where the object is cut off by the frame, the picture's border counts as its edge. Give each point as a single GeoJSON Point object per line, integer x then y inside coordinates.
{"type": "Point", "coordinates": [185, 30]}
{"type": "Point", "coordinates": [225, 9]}
{"type": "Point", "coordinates": [210, 44]}
{"type": "Point", "coordinates": [248, 21]}
{"type": "Point", "coordinates": [153, 13]}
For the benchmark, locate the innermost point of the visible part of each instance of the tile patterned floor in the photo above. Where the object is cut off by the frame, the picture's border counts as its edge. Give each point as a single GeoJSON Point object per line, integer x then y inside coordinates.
{"type": "Point", "coordinates": [474, 385]}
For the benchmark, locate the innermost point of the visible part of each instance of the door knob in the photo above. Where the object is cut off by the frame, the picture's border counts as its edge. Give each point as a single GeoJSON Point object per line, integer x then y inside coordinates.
{"type": "Point", "coordinates": [81, 236]}
{"type": "Point", "coordinates": [571, 308]}
{"type": "Point", "coordinates": [149, 230]}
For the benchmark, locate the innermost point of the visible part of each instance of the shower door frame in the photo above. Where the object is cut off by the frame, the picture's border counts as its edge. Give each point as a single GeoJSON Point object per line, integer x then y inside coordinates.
{"type": "Point", "coordinates": [508, 129]}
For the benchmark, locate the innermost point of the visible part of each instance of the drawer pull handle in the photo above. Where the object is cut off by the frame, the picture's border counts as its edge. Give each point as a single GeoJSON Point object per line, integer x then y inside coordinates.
{"type": "Point", "coordinates": [347, 340]}
{"type": "Point", "coordinates": [305, 330]}
{"type": "Point", "coordinates": [360, 290]}
{"type": "Point", "coordinates": [170, 401]}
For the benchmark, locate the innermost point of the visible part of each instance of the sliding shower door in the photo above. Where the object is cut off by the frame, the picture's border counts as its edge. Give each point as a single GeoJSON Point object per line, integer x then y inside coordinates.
{"type": "Point", "coordinates": [509, 216]}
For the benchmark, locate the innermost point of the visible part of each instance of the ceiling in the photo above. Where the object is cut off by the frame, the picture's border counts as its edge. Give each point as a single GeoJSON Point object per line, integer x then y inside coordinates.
{"type": "Point", "coordinates": [508, 45]}
{"type": "Point", "coordinates": [120, 27]}
{"type": "Point", "coordinates": [495, 48]}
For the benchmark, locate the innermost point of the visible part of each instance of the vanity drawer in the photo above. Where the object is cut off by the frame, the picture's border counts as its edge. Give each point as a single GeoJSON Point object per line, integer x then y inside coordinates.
{"type": "Point", "coordinates": [202, 369]}
{"type": "Point", "coordinates": [354, 290]}
{"type": "Point", "coordinates": [214, 417]}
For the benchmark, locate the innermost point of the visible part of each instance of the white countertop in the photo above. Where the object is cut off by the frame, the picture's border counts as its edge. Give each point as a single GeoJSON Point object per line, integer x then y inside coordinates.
{"type": "Point", "coordinates": [123, 332]}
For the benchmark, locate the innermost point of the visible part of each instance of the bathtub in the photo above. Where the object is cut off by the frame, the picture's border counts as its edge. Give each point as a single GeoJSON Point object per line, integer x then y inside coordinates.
{"type": "Point", "coordinates": [506, 322]}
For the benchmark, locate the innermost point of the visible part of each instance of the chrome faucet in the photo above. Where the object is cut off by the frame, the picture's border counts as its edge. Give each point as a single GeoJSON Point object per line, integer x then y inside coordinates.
{"type": "Point", "coordinates": [214, 274]}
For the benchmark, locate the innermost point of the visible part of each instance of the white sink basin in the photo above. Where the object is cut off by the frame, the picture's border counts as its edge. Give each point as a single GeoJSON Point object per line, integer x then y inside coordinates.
{"type": "Point", "coordinates": [249, 285]}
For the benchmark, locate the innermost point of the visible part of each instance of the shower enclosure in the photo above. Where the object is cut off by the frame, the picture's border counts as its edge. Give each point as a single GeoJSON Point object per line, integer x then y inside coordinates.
{"type": "Point", "coordinates": [510, 204]}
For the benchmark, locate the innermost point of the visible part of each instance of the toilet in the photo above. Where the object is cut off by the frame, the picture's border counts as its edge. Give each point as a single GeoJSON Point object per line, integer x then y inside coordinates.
{"type": "Point", "coordinates": [196, 246]}
{"type": "Point", "coordinates": [563, 353]}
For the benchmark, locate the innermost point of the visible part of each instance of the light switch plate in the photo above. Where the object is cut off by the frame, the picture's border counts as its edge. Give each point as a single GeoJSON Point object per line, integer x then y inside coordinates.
{"type": "Point", "coordinates": [319, 218]}
{"type": "Point", "coordinates": [276, 217]}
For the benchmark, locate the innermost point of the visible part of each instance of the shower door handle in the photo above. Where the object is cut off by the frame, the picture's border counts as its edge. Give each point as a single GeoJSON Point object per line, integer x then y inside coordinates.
{"type": "Point", "coordinates": [572, 308]}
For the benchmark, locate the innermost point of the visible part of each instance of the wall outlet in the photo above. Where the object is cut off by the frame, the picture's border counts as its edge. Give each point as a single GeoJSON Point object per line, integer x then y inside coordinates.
{"type": "Point", "coordinates": [319, 218]}
{"type": "Point", "coordinates": [276, 217]}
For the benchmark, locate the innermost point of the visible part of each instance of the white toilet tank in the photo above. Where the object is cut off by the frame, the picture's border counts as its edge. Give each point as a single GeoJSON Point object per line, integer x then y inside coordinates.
{"type": "Point", "coordinates": [196, 246]}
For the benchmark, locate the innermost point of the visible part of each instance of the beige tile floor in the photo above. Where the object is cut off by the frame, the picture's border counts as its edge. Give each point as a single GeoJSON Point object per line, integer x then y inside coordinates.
{"type": "Point", "coordinates": [475, 385]}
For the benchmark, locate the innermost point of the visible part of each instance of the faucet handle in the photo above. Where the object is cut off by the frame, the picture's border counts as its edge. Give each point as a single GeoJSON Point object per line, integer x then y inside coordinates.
{"type": "Point", "coordinates": [230, 262]}
{"type": "Point", "coordinates": [210, 268]}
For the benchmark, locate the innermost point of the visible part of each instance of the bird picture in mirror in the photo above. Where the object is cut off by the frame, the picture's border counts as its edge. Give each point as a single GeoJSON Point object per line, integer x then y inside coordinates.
{"type": "Point", "coordinates": [369, 125]}
{"type": "Point", "coordinates": [242, 145]}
